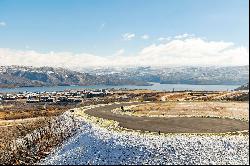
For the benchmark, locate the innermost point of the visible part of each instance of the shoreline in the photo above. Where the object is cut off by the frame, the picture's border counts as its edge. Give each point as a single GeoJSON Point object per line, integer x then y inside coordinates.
{"type": "Point", "coordinates": [155, 86]}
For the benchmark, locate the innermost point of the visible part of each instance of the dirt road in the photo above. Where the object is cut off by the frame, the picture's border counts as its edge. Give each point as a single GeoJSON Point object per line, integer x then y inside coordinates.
{"type": "Point", "coordinates": [169, 125]}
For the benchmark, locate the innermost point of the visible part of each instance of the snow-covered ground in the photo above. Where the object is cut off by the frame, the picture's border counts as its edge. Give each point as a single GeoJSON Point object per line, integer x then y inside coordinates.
{"type": "Point", "coordinates": [95, 145]}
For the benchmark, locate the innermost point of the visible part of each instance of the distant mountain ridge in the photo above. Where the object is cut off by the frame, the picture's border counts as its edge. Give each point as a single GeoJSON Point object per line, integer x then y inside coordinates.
{"type": "Point", "coordinates": [243, 87]}
{"type": "Point", "coordinates": [235, 75]}
{"type": "Point", "coordinates": [21, 76]}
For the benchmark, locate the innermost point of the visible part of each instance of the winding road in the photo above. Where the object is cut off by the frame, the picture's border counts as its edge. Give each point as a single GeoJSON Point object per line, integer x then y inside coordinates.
{"type": "Point", "coordinates": [168, 125]}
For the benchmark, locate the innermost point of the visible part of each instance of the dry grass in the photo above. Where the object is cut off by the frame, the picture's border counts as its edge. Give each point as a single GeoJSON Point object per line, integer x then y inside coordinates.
{"type": "Point", "coordinates": [5, 106]}
{"type": "Point", "coordinates": [237, 110]}
{"type": "Point", "coordinates": [26, 143]}
{"type": "Point", "coordinates": [10, 133]}
{"type": "Point", "coordinates": [21, 110]}
{"type": "Point", "coordinates": [22, 114]}
{"type": "Point", "coordinates": [44, 125]}
{"type": "Point", "coordinates": [216, 96]}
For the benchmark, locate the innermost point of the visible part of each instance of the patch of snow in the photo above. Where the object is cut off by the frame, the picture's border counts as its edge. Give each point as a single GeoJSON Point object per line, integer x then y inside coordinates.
{"type": "Point", "coordinates": [95, 145]}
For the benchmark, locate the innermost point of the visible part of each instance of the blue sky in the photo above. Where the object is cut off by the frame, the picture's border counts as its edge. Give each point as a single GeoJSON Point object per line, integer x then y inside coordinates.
{"type": "Point", "coordinates": [97, 26]}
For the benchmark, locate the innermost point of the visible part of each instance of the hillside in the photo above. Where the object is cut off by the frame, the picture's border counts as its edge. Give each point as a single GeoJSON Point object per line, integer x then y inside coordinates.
{"type": "Point", "coordinates": [235, 75]}
{"type": "Point", "coordinates": [243, 87]}
{"type": "Point", "coordinates": [20, 76]}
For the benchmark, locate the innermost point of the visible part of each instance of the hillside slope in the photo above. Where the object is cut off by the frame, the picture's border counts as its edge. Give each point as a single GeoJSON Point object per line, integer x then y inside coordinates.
{"type": "Point", "coordinates": [20, 76]}
{"type": "Point", "coordinates": [233, 75]}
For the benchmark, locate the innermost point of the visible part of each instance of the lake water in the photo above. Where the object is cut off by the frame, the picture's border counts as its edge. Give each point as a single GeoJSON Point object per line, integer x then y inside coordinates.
{"type": "Point", "coordinates": [155, 86]}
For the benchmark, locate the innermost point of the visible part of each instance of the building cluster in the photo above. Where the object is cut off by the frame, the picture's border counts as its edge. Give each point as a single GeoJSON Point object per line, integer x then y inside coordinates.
{"type": "Point", "coordinates": [70, 96]}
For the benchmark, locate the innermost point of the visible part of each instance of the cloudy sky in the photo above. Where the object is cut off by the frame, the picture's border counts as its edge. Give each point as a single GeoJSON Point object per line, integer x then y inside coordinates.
{"type": "Point", "coordinates": [124, 32]}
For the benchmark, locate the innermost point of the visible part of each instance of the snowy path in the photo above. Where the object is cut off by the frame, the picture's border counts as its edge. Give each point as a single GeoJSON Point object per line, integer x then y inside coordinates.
{"type": "Point", "coordinates": [94, 145]}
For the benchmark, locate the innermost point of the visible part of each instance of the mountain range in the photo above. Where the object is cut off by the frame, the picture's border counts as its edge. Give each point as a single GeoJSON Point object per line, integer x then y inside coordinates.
{"type": "Point", "coordinates": [22, 76]}
{"type": "Point", "coordinates": [243, 87]}
{"type": "Point", "coordinates": [233, 75]}
{"type": "Point", "coordinates": [27, 76]}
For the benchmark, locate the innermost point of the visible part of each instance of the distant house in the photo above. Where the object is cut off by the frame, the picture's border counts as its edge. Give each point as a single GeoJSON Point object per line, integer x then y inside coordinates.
{"type": "Point", "coordinates": [32, 101]}
{"type": "Point", "coordinates": [74, 100]}
{"type": "Point", "coordinates": [46, 99]}
{"type": "Point", "coordinates": [77, 100]}
{"type": "Point", "coordinates": [8, 97]}
{"type": "Point", "coordinates": [95, 94]}
{"type": "Point", "coordinates": [62, 99]}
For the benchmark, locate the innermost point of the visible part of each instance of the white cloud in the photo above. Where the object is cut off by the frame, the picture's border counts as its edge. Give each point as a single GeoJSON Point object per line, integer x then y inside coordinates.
{"type": "Point", "coordinates": [2, 24]}
{"type": "Point", "coordinates": [54, 59]}
{"type": "Point", "coordinates": [119, 52]}
{"type": "Point", "coordinates": [145, 37]}
{"type": "Point", "coordinates": [195, 51]}
{"type": "Point", "coordinates": [128, 36]}
{"type": "Point", "coordinates": [182, 36]}
{"type": "Point", "coordinates": [178, 52]}
{"type": "Point", "coordinates": [164, 38]}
